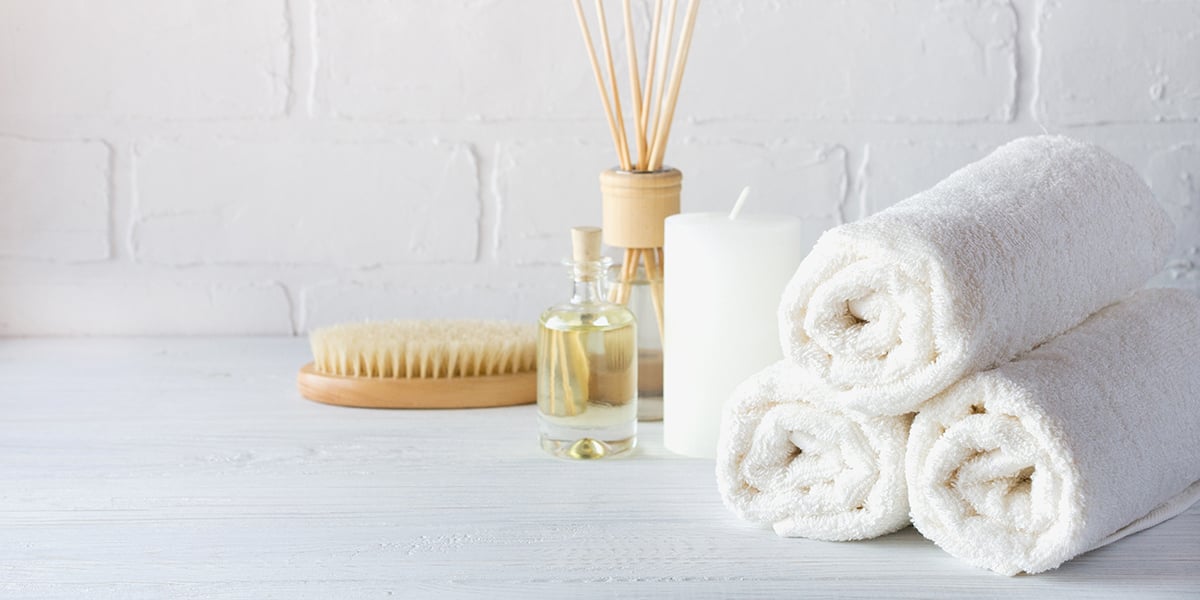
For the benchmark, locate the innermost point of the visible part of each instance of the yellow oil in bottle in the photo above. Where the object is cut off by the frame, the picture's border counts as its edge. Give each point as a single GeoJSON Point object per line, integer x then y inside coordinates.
{"type": "Point", "coordinates": [587, 380]}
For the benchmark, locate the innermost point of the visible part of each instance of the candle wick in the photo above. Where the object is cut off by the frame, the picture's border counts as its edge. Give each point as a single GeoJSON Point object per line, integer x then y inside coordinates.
{"type": "Point", "coordinates": [741, 201]}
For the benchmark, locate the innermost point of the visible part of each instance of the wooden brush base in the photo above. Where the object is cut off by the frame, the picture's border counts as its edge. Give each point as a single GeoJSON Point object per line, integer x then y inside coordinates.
{"type": "Point", "coordinates": [387, 392]}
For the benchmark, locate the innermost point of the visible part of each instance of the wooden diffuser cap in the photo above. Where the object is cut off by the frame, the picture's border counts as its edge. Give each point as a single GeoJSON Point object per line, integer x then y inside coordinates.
{"type": "Point", "coordinates": [585, 244]}
{"type": "Point", "coordinates": [635, 203]}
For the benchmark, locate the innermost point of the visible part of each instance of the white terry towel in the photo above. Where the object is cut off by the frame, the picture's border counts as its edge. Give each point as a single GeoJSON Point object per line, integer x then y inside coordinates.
{"type": "Point", "coordinates": [810, 472]}
{"type": "Point", "coordinates": [1089, 438]}
{"type": "Point", "coordinates": [1001, 256]}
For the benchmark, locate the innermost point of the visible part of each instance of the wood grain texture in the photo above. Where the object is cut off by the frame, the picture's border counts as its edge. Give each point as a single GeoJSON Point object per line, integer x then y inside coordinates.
{"type": "Point", "coordinates": [151, 468]}
{"type": "Point", "coordinates": [484, 391]}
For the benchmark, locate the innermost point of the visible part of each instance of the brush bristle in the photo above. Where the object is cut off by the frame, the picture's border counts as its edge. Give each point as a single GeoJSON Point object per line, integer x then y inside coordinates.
{"type": "Point", "coordinates": [425, 349]}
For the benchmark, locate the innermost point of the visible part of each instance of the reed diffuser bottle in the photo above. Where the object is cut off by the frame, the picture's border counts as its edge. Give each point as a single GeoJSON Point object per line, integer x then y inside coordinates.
{"type": "Point", "coordinates": [640, 193]}
{"type": "Point", "coordinates": [587, 364]}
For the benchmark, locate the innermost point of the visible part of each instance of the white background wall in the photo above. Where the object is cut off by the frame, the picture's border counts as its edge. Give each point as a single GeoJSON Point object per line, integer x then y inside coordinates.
{"type": "Point", "coordinates": [267, 166]}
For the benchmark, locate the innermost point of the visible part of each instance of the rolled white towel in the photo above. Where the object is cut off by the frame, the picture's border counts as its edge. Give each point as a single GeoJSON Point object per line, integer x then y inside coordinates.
{"type": "Point", "coordinates": [1078, 443]}
{"type": "Point", "coordinates": [1001, 256]}
{"type": "Point", "coordinates": [810, 472]}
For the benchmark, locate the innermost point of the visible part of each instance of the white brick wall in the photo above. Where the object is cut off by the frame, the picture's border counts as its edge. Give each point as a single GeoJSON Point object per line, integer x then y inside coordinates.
{"type": "Point", "coordinates": [912, 61]}
{"type": "Point", "coordinates": [267, 166]}
{"type": "Point", "coordinates": [1128, 74]}
{"type": "Point", "coordinates": [348, 204]}
{"type": "Point", "coordinates": [55, 199]}
{"type": "Point", "coordinates": [451, 60]}
{"type": "Point", "coordinates": [144, 59]}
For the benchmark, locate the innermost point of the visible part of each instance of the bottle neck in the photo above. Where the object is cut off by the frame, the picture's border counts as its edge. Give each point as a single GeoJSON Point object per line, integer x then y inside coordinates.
{"type": "Point", "coordinates": [587, 278]}
{"type": "Point", "coordinates": [586, 292]}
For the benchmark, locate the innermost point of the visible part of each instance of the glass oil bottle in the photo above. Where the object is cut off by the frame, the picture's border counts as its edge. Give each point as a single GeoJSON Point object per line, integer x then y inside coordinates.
{"type": "Point", "coordinates": [587, 364]}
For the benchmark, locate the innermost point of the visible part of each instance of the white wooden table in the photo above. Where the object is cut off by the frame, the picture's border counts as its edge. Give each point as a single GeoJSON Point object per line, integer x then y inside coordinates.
{"type": "Point", "coordinates": [150, 468]}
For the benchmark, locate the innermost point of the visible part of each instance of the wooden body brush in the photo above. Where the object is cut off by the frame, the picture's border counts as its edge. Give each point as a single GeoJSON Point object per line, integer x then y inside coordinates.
{"type": "Point", "coordinates": [422, 364]}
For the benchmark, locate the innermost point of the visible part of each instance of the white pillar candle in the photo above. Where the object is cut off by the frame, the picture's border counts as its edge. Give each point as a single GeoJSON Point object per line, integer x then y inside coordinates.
{"type": "Point", "coordinates": [723, 281]}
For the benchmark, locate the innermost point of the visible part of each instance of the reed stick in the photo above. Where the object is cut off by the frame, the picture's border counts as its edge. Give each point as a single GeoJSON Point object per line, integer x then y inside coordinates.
{"type": "Point", "coordinates": [581, 369]}
{"type": "Point", "coordinates": [635, 85]}
{"type": "Point", "coordinates": [552, 376]}
{"type": "Point", "coordinates": [623, 148]}
{"type": "Point", "coordinates": [630, 273]}
{"type": "Point", "coordinates": [654, 275]}
{"type": "Point", "coordinates": [568, 392]}
{"type": "Point", "coordinates": [614, 292]}
{"type": "Point", "coordinates": [591, 49]}
{"type": "Point", "coordinates": [651, 60]}
{"type": "Point", "coordinates": [662, 78]}
{"type": "Point", "coordinates": [672, 96]}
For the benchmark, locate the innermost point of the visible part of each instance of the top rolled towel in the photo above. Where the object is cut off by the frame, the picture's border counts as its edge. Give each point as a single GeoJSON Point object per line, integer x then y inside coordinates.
{"type": "Point", "coordinates": [1002, 255]}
